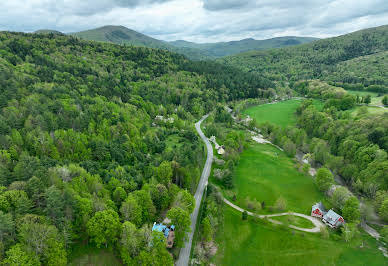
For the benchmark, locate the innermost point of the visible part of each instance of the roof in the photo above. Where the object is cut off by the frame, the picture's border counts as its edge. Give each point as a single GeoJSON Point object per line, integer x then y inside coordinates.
{"type": "Point", "coordinates": [320, 206]}
{"type": "Point", "coordinates": [162, 228]}
{"type": "Point", "coordinates": [331, 217]}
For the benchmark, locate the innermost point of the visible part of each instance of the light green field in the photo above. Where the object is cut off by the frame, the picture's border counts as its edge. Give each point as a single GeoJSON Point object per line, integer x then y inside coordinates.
{"type": "Point", "coordinates": [294, 220]}
{"type": "Point", "coordinates": [252, 243]}
{"type": "Point", "coordinates": [375, 99]}
{"type": "Point", "coordinates": [280, 113]}
{"type": "Point", "coordinates": [265, 173]}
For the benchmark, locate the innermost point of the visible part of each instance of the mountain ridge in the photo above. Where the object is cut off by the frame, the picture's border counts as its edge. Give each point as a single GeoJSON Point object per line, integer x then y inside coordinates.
{"type": "Point", "coordinates": [124, 36]}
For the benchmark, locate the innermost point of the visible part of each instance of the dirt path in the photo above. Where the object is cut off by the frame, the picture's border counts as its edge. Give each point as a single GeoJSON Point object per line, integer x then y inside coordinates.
{"type": "Point", "coordinates": [317, 223]}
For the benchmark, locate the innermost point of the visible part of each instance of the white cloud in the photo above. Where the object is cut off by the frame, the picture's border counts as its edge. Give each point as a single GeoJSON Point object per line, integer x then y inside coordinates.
{"type": "Point", "coordinates": [198, 20]}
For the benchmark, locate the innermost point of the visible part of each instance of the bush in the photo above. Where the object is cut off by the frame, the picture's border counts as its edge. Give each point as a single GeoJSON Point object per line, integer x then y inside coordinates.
{"type": "Point", "coordinates": [244, 215]}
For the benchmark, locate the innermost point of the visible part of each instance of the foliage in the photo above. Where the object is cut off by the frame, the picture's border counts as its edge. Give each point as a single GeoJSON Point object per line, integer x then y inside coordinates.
{"type": "Point", "coordinates": [355, 59]}
{"type": "Point", "coordinates": [104, 228]}
{"type": "Point", "coordinates": [324, 179]}
{"type": "Point", "coordinates": [181, 220]}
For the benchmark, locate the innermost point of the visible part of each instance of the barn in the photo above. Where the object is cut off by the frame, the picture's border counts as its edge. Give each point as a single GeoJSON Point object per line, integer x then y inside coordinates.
{"type": "Point", "coordinates": [318, 210]}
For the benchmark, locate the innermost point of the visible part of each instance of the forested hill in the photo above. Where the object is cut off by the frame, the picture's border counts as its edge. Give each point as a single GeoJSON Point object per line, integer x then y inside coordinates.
{"type": "Point", "coordinates": [221, 49]}
{"type": "Point", "coordinates": [97, 142]}
{"type": "Point", "coordinates": [344, 59]}
{"type": "Point", "coordinates": [124, 36]}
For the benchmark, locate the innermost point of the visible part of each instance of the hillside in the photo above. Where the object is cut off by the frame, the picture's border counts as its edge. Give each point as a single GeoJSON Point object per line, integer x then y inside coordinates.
{"type": "Point", "coordinates": [327, 59]}
{"type": "Point", "coordinates": [221, 49]}
{"type": "Point", "coordinates": [85, 159]}
{"type": "Point", "coordinates": [124, 36]}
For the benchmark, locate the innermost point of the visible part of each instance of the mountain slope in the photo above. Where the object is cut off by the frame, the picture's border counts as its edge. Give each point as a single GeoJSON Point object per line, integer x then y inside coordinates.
{"type": "Point", "coordinates": [221, 49]}
{"type": "Point", "coordinates": [120, 35]}
{"type": "Point", "coordinates": [318, 59]}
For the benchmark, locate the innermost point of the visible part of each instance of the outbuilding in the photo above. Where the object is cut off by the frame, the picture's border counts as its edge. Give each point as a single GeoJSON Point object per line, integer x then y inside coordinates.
{"type": "Point", "coordinates": [318, 210]}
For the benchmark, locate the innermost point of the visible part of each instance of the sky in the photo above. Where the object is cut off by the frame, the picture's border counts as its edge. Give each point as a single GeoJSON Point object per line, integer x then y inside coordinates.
{"type": "Point", "coordinates": [198, 20]}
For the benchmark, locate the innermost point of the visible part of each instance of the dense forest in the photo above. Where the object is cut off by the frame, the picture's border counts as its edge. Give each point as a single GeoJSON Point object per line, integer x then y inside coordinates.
{"type": "Point", "coordinates": [97, 142]}
{"type": "Point", "coordinates": [356, 60]}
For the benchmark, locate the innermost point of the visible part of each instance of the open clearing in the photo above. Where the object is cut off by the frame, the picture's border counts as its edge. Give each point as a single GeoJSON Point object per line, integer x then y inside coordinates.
{"type": "Point", "coordinates": [254, 243]}
{"type": "Point", "coordinates": [265, 173]}
{"type": "Point", "coordinates": [280, 113]}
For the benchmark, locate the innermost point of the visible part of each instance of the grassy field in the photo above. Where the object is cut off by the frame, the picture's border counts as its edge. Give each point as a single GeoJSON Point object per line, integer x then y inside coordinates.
{"type": "Point", "coordinates": [253, 243]}
{"type": "Point", "coordinates": [266, 173]}
{"type": "Point", "coordinates": [294, 220]}
{"type": "Point", "coordinates": [280, 113]}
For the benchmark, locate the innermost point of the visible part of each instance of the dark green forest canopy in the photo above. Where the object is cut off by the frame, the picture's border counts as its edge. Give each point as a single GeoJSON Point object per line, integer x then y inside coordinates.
{"type": "Point", "coordinates": [93, 135]}
{"type": "Point", "coordinates": [355, 58]}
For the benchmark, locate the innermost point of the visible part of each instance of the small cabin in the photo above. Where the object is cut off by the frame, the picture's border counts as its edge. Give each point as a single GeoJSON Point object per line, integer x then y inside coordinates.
{"type": "Point", "coordinates": [318, 210]}
{"type": "Point", "coordinates": [332, 219]}
{"type": "Point", "coordinates": [168, 232]}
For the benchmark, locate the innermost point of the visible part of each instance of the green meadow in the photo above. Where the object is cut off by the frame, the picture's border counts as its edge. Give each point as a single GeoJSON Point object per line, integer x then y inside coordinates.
{"type": "Point", "coordinates": [257, 243]}
{"type": "Point", "coordinates": [265, 173]}
{"type": "Point", "coordinates": [280, 113]}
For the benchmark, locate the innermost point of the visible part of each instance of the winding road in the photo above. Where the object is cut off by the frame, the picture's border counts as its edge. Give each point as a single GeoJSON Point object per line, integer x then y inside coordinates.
{"type": "Point", "coordinates": [184, 255]}
{"type": "Point", "coordinates": [317, 223]}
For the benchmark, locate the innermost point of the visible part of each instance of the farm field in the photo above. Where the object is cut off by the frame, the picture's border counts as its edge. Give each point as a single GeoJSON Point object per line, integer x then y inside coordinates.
{"type": "Point", "coordinates": [255, 243]}
{"type": "Point", "coordinates": [265, 173]}
{"type": "Point", "coordinates": [280, 113]}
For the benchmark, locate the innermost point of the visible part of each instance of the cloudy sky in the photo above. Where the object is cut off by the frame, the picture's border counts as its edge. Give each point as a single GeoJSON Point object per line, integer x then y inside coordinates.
{"type": "Point", "coordinates": [198, 20]}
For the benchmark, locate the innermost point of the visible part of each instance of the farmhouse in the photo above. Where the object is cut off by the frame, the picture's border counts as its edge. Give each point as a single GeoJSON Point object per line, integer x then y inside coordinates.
{"type": "Point", "coordinates": [331, 218]}
{"type": "Point", "coordinates": [318, 210]}
{"type": "Point", "coordinates": [168, 232]}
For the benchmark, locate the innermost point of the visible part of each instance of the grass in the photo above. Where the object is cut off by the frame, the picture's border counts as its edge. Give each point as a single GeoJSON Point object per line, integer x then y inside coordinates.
{"type": "Point", "coordinates": [265, 173]}
{"type": "Point", "coordinates": [253, 243]}
{"type": "Point", "coordinates": [375, 98]}
{"type": "Point", "coordinates": [372, 110]}
{"type": "Point", "coordinates": [294, 220]}
{"type": "Point", "coordinates": [280, 113]}
{"type": "Point", "coordinates": [85, 255]}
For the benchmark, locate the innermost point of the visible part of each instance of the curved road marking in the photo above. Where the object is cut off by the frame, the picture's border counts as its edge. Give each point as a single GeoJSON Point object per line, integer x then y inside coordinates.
{"type": "Point", "coordinates": [184, 254]}
{"type": "Point", "coordinates": [317, 223]}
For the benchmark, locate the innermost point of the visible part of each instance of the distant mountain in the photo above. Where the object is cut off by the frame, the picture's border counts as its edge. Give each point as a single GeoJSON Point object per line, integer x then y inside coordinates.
{"type": "Point", "coordinates": [196, 51]}
{"type": "Point", "coordinates": [47, 31]}
{"type": "Point", "coordinates": [123, 35]}
{"type": "Point", "coordinates": [221, 49]}
{"type": "Point", "coordinates": [355, 58]}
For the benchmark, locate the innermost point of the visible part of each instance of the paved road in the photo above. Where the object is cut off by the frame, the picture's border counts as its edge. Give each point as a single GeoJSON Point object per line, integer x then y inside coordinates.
{"type": "Point", "coordinates": [184, 255]}
{"type": "Point", "coordinates": [317, 223]}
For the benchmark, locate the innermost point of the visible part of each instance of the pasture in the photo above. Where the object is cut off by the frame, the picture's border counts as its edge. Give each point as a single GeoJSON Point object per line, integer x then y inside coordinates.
{"type": "Point", "coordinates": [265, 173]}
{"type": "Point", "coordinates": [280, 113]}
{"type": "Point", "coordinates": [257, 243]}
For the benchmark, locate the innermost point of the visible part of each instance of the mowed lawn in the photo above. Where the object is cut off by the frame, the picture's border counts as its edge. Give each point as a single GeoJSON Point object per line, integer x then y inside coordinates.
{"type": "Point", "coordinates": [252, 243]}
{"type": "Point", "coordinates": [280, 113]}
{"type": "Point", "coordinates": [265, 173]}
